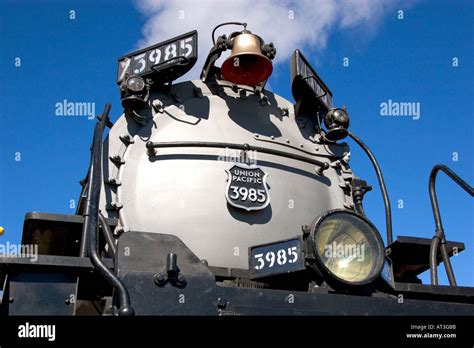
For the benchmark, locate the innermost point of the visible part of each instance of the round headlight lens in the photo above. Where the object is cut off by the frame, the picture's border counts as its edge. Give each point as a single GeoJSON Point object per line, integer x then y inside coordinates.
{"type": "Point", "coordinates": [348, 247]}
{"type": "Point", "coordinates": [340, 116]}
{"type": "Point", "coordinates": [135, 84]}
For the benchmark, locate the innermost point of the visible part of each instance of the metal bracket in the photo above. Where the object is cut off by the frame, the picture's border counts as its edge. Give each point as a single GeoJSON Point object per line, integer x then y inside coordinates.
{"type": "Point", "coordinates": [171, 273]}
{"type": "Point", "coordinates": [117, 160]}
{"type": "Point", "coordinates": [126, 139]}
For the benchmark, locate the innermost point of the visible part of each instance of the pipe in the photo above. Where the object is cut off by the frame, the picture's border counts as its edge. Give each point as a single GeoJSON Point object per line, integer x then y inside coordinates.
{"type": "Point", "coordinates": [439, 232]}
{"type": "Point", "coordinates": [359, 208]}
{"type": "Point", "coordinates": [383, 189]}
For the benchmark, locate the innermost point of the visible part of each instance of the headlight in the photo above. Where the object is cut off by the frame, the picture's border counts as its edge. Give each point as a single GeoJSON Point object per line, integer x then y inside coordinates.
{"type": "Point", "coordinates": [135, 84]}
{"type": "Point", "coordinates": [348, 248]}
{"type": "Point", "coordinates": [336, 122]}
{"type": "Point", "coordinates": [134, 93]}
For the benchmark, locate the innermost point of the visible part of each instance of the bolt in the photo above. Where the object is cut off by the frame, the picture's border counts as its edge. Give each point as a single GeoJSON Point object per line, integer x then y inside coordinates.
{"type": "Point", "coordinates": [180, 280]}
{"type": "Point", "coordinates": [159, 279]}
{"type": "Point", "coordinates": [67, 301]}
{"type": "Point", "coordinates": [11, 299]}
{"type": "Point", "coordinates": [221, 303]}
{"type": "Point", "coordinates": [150, 149]}
{"type": "Point", "coordinates": [288, 141]}
{"type": "Point", "coordinates": [301, 145]}
{"type": "Point", "coordinates": [272, 137]}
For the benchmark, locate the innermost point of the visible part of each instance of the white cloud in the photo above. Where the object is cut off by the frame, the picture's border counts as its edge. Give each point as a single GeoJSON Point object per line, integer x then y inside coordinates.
{"type": "Point", "coordinates": [311, 26]}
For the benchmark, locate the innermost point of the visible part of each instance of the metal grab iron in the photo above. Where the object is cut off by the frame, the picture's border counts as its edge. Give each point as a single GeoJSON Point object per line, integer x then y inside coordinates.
{"type": "Point", "coordinates": [439, 236]}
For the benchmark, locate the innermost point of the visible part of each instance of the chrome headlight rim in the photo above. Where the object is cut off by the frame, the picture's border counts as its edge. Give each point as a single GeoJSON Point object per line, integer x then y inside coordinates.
{"type": "Point", "coordinates": [330, 277]}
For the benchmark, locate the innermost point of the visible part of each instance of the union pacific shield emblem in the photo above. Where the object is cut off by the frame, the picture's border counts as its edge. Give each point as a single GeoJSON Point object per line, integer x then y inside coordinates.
{"type": "Point", "coordinates": [247, 188]}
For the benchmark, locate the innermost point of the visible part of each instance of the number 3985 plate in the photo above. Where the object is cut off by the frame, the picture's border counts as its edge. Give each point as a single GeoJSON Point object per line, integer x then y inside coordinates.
{"type": "Point", "coordinates": [247, 188]}
{"type": "Point", "coordinates": [276, 258]}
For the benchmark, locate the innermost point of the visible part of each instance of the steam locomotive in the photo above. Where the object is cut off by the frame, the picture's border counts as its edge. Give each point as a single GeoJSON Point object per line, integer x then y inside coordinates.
{"type": "Point", "coordinates": [218, 197]}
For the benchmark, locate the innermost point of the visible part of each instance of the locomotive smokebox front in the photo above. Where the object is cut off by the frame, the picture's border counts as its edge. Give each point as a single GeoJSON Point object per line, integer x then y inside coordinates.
{"type": "Point", "coordinates": [223, 166]}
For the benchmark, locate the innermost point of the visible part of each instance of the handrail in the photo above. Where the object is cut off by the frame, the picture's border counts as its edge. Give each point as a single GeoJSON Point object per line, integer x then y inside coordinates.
{"type": "Point", "coordinates": [439, 233]}
{"type": "Point", "coordinates": [245, 147]}
{"type": "Point", "coordinates": [91, 217]}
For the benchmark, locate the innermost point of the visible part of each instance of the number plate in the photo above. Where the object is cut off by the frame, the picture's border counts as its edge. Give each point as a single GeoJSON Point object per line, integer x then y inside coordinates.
{"type": "Point", "coordinates": [167, 60]}
{"type": "Point", "coordinates": [276, 258]}
{"type": "Point", "coordinates": [302, 74]}
{"type": "Point", "coordinates": [247, 187]}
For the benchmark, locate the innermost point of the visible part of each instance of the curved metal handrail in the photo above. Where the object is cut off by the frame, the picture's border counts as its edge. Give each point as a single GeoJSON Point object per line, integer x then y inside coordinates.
{"type": "Point", "coordinates": [91, 218]}
{"type": "Point", "coordinates": [439, 233]}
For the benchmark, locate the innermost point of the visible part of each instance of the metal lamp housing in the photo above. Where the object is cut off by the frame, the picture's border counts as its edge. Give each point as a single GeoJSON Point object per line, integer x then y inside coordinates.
{"type": "Point", "coordinates": [347, 248]}
{"type": "Point", "coordinates": [133, 93]}
{"type": "Point", "coordinates": [337, 122]}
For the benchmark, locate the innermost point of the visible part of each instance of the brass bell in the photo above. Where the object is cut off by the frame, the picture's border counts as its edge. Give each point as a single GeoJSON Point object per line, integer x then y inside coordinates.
{"type": "Point", "coordinates": [246, 65]}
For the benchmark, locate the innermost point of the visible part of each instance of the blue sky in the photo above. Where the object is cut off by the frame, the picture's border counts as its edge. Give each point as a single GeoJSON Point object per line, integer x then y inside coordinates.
{"type": "Point", "coordinates": [409, 60]}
